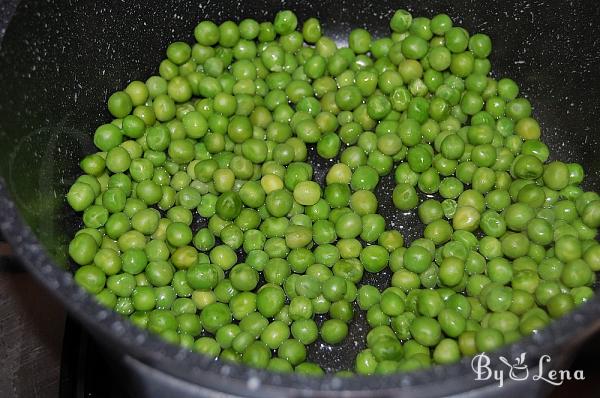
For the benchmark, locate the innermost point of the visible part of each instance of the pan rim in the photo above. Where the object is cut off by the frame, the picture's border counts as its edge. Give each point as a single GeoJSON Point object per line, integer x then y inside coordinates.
{"type": "Point", "coordinates": [142, 345]}
{"type": "Point", "coordinates": [113, 329]}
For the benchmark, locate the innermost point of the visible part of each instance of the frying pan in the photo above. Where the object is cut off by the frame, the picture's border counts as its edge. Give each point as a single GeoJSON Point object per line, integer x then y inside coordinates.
{"type": "Point", "coordinates": [59, 60]}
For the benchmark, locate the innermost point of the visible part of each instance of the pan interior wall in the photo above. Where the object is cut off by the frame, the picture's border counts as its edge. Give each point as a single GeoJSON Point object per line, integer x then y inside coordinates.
{"type": "Point", "coordinates": [59, 63]}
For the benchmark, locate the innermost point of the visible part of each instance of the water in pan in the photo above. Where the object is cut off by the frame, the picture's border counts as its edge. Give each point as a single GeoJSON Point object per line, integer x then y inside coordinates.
{"type": "Point", "coordinates": [341, 356]}
{"type": "Point", "coordinates": [553, 75]}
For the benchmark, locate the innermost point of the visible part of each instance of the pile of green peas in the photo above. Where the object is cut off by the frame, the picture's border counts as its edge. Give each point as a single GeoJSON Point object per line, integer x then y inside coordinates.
{"type": "Point", "coordinates": [203, 224]}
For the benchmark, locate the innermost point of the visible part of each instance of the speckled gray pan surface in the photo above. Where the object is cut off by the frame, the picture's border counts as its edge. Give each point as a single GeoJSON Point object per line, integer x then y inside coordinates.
{"type": "Point", "coordinates": [59, 61]}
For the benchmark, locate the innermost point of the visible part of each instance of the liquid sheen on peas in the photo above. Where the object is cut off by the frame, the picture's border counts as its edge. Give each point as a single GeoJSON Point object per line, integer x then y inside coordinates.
{"type": "Point", "coordinates": [242, 201]}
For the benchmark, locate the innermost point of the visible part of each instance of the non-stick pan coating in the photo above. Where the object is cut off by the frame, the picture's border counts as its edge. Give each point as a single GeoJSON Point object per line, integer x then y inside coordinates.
{"type": "Point", "coordinates": [60, 60]}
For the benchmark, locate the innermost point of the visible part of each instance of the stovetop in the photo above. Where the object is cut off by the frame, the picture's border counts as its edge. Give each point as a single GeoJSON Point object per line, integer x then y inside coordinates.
{"type": "Point", "coordinates": [46, 354]}
{"type": "Point", "coordinates": [85, 372]}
